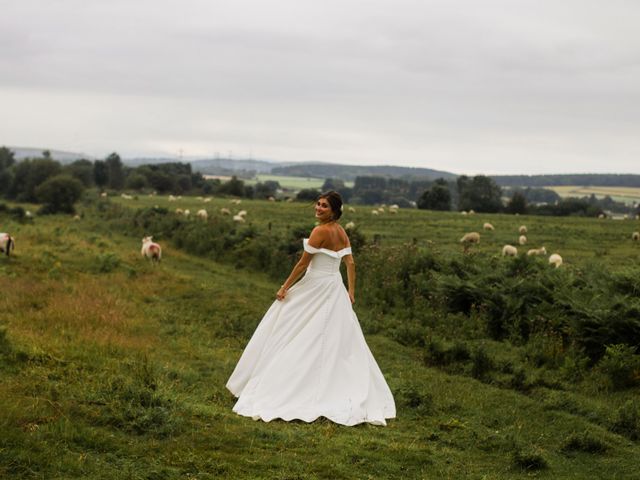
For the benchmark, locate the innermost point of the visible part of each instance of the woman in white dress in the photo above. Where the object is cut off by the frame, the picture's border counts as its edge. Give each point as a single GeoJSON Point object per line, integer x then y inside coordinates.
{"type": "Point", "coordinates": [308, 357]}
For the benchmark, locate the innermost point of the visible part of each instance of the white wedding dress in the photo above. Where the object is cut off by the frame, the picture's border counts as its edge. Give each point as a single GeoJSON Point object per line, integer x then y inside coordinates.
{"type": "Point", "coordinates": [308, 357]}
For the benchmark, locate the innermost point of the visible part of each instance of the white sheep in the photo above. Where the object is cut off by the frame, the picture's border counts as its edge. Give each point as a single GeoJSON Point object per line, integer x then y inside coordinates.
{"type": "Point", "coordinates": [125, 196]}
{"type": "Point", "coordinates": [349, 226]}
{"type": "Point", "coordinates": [471, 237]}
{"type": "Point", "coordinates": [509, 251]}
{"type": "Point", "coordinates": [375, 212]}
{"type": "Point", "coordinates": [352, 210]}
{"type": "Point", "coordinates": [537, 251]}
{"type": "Point", "coordinates": [242, 213]}
{"type": "Point", "coordinates": [225, 211]}
{"type": "Point", "coordinates": [555, 259]}
{"type": "Point", "coordinates": [271, 199]}
{"type": "Point", "coordinates": [381, 209]}
{"type": "Point", "coordinates": [463, 212]}
{"type": "Point", "coordinates": [207, 200]}
{"type": "Point", "coordinates": [7, 243]}
{"type": "Point", "coordinates": [202, 213]}
{"type": "Point", "coordinates": [472, 212]}
{"type": "Point", "coordinates": [635, 236]}
{"type": "Point", "coordinates": [522, 240]}
{"type": "Point", "coordinates": [602, 215]}
{"type": "Point", "coordinates": [488, 226]}
{"type": "Point", "coordinates": [179, 211]}
{"type": "Point", "coordinates": [103, 194]}
{"type": "Point", "coordinates": [238, 219]}
{"type": "Point", "coordinates": [151, 250]}
{"type": "Point", "coordinates": [172, 198]}
{"type": "Point", "coordinates": [522, 230]}
{"type": "Point", "coordinates": [187, 213]}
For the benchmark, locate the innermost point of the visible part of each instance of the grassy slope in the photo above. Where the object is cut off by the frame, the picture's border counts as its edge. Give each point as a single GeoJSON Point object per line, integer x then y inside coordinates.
{"type": "Point", "coordinates": [114, 369]}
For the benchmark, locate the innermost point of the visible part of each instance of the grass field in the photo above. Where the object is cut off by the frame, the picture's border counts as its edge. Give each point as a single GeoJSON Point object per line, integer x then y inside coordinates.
{"type": "Point", "coordinates": [115, 369]}
{"type": "Point", "coordinates": [628, 195]}
{"type": "Point", "coordinates": [292, 183]}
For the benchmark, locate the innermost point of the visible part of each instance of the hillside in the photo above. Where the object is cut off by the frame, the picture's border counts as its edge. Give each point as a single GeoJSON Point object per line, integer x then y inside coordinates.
{"type": "Point", "coordinates": [350, 172]}
{"type": "Point", "coordinates": [113, 368]}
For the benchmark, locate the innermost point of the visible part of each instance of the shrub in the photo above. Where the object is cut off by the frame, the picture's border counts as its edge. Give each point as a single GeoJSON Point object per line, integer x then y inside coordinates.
{"type": "Point", "coordinates": [621, 365]}
{"type": "Point", "coordinates": [59, 193]}
{"type": "Point", "coordinates": [481, 363]}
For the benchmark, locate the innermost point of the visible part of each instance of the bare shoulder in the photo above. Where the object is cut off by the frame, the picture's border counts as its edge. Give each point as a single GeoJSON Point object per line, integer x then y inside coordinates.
{"type": "Point", "coordinates": [343, 236]}
{"type": "Point", "coordinates": [318, 236]}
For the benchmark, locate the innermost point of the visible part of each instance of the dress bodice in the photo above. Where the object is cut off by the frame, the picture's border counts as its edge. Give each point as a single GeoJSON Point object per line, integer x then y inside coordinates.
{"type": "Point", "coordinates": [328, 261]}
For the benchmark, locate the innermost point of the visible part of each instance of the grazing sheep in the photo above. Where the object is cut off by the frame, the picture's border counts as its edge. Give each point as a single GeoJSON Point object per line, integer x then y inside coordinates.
{"type": "Point", "coordinates": [272, 199]}
{"type": "Point", "coordinates": [187, 213]}
{"type": "Point", "coordinates": [555, 259]}
{"type": "Point", "coordinates": [207, 200]}
{"type": "Point", "coordinates": [242, 213]}
{"type": "Point", "coordinates": [238, 219]}
{"type": "Point", "coordinates": [395, 206]}
{"type": "Point", "coordinates": [472, 212]}
{"type": "Point", "coordinates": [179, 211]}
{"type": "Point", "coordinates": [537, 251]}
{"type": "Point", "coordinates": [76, 217]}
{"type": "Point", "coordinates": [28, 214]}
{"type": "Point", "coordinates": [225, 211]}
{"type": "Point", "coordinates": [522, 240]}
{"type": "Point", "coordinates": [488, 226]}
{"type": "Point", "coordinates": [352, 210]}
{"type": "Point", "coordinates": [381, 209]}
{"type": "Point", "coordinates": [202, 213]}
{"type": "Point", "coordinates": [150, 249]}
{"type": "Point", "coordinates": [602, 215]}
{"type": "Point", "coordinates": [635, 236]}
{"type": "Point", "coordinates": [103, 194]}
{"type": "Point", "coordinates": [393, 210]}
{"type": "Point", "coordinates": [471, 237]}
{"type": "Point", "coordinates": [375, 212]}
{"type": "Point", "coordinates": [522, 230]}
{"type": "Point", "coordinates": [7, 243]}
{"type": "Point", "coordinates": [172, 198]}
{"type": "Point", "coordinates": [236, 201]}
{"type": "Point", "coordinates": [349, 226]}
{"type": "Point", "coordinates": [125, 196]}
{"type": "Point", "coordinates": [509, 251]}
{"type": "Point", "coordinates": [463, 212]}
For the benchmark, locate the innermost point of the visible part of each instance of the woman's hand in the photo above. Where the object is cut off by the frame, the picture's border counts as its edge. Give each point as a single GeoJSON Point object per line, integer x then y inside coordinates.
{"type": "Point", "coordinates": [352, 297]}
{"type": "Point", "coordinates": [280, 294]}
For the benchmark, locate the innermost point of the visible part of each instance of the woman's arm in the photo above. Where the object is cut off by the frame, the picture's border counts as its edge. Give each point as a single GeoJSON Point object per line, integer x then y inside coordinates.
{"type": "Point", "coordinates": [351, 276]}
{"type": "Point", "coordinates": [315, 240]}
{"type": "Point", "coordinates": [298, 270]}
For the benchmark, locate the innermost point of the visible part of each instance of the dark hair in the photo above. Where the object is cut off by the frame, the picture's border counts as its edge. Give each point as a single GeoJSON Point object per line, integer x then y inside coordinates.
{"type": "Point", "coordinates": [335, 202]}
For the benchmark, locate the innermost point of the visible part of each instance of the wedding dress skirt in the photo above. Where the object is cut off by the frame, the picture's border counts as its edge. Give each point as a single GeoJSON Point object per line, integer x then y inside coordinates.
{"type": "Point", "coordinates": [308, 357]}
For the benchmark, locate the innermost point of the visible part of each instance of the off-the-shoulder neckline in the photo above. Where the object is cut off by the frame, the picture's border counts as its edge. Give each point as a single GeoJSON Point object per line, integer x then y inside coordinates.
{"type": "Point", "coordinates": [305, 241]}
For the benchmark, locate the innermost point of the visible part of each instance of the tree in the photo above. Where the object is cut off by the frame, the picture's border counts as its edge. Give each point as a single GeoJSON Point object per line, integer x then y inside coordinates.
{"type": "Point", "coordinates": [517, 203]}
{"type": "Point", "coordinates": [308, 195]}
{"type": "Point", "coordinates": [7, 158]}
{"type": "Point", "coordinates": [83, 170]}
{"type": "Point", "coordinates": [100, 173]}
{"type": "Point", "coordinates": [480, 193]}
{"type": "Point", "coordinates": [332, 184]}
{"type": "Point", "coordinates": [28, 174]}
{"type": "Point", "coordinates": [59, 193]}
{"type": "Point", "coordinates": [233, 187]}
{"type": "Point", "coordinates": [136, 181]}
{"type": "Point", "coordinates": [438, 197]}
{"type": "Point", "coordinates": [115, 171]}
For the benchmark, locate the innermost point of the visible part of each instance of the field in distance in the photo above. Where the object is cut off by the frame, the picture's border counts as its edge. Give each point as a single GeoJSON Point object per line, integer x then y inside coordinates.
{"type": "Point", "coordinates": [292, 183]}
{"type": "Point", "coordinates": [628, 195]}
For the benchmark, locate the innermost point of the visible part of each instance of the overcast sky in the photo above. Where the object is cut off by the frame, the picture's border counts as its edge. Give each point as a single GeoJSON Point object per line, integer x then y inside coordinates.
{"type": "Point", "coordinates": [468, 86]}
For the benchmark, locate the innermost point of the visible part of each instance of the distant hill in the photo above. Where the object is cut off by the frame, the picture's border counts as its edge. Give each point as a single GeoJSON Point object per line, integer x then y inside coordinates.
{"type": "Point", "coordinates": [584, 179]}
{"type": "Point", "coordinates": [63, 157]}
{"type": "Point", "coordinates": [350, 172]}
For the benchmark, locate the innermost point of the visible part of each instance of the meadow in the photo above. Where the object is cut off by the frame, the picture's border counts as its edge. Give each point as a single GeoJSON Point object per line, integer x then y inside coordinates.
{"type": "Point", "coordinates": [115, 368]}
{"type": "Point", "coordinates": [628, 195]}
{"type": "Point", "coordinates": [290, 182]}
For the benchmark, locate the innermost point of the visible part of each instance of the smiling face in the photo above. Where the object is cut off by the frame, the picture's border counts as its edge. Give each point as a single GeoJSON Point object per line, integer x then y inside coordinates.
{"type": "Point", "coordinates": [323, 210]}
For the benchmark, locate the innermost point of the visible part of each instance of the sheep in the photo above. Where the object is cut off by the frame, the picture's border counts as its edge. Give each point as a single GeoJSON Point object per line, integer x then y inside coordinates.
{"type": "Point", "coordinates": [207, 200]}
{"type": "Point", "coordinates": [522, 230]}
{"type": "Point", "coordinates": [395, 206]}
{"type": "Point", "coordinates": [375, 212]}
{"type": "Point", "coordinates": [555, 259]}
{"type": "Point", "coordinates": [202, 213]}
{"type": "Point", "coordinates": [537, 251]}
{"type": "Point", "coordinates": [187, 213]}
{"type": "Point", "coordinates": [381, 209]}
{"type": "Point", "coordinates": [509, 251]}
{"type": "Point", "coordinates": [463, 212]}
{"type": "Point", "coordinates": [471, 237]}
{"type": "Point", "coordinates": [393, 210]}
{"type": "Point", "coordinates": [150, 249]}
{"type": "Point", "coordinates": [472, 212]}
{"type": "Point", "coordinates": [235, 201]}
{"type": "Point", "coordinates": [125, 196]}
{"type": "Point", "coordinates": [238, 219]}
{"type": "Point", "coordinates": [271, 199]}
{"type": "Point", "coordinates": [602, 215]}
{"type": "Point", "coordinates": [352, 210]}
{"type": "Point", "coordinates": [349, 226]}
{"type": "Point", "coordinates": [242, 213]}
{"type": "Point", "coordinates": [488, 226]}
{"type": "Point", "coordinates": [635, 236]}
{"type": "Point", "coordinates": [7, 243]}
{"type": "Point", "coordinates": [522, 240]}
{"type": "Point", "coordinates": [28, 214]}
{"type": "Point", "coordinates": [103, 194]}
{"type": "Point", "coordinates": [172, 198]}
{"type": "Point", "coordinates": [179, 211]}
{"type": "Point", "coordinates": [225, 211]}
{"type": "Point", "coordinates": [76, 217]}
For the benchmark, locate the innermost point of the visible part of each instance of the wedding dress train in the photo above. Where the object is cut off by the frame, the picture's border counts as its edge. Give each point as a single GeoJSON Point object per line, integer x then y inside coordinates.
{"type": "Point", "coordinates": [308, 357]}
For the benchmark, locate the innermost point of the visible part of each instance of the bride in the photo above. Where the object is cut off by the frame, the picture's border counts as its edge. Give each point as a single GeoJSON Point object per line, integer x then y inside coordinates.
{"type": "Point", "coordinates": [308, 357]}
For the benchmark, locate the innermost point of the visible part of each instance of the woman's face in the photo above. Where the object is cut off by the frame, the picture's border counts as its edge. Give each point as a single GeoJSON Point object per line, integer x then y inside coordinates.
{"type": "Point", "coordinates": [323, 210]}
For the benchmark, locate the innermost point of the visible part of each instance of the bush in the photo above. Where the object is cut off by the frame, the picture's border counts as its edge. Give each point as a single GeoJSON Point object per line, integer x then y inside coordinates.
{"type": "Point", "coordinates": [59, 193]}
{"type": "Point", "coordinates": [621, 365]}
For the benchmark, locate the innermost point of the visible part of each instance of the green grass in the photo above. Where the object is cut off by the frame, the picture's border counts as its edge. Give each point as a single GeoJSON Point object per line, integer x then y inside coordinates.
{"type": "Point", "coordinates": [626, 195]}
{"type": "Point", "coordinates": [291, 183]}
{"type": "Point", "coordinates": [114, 368]}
